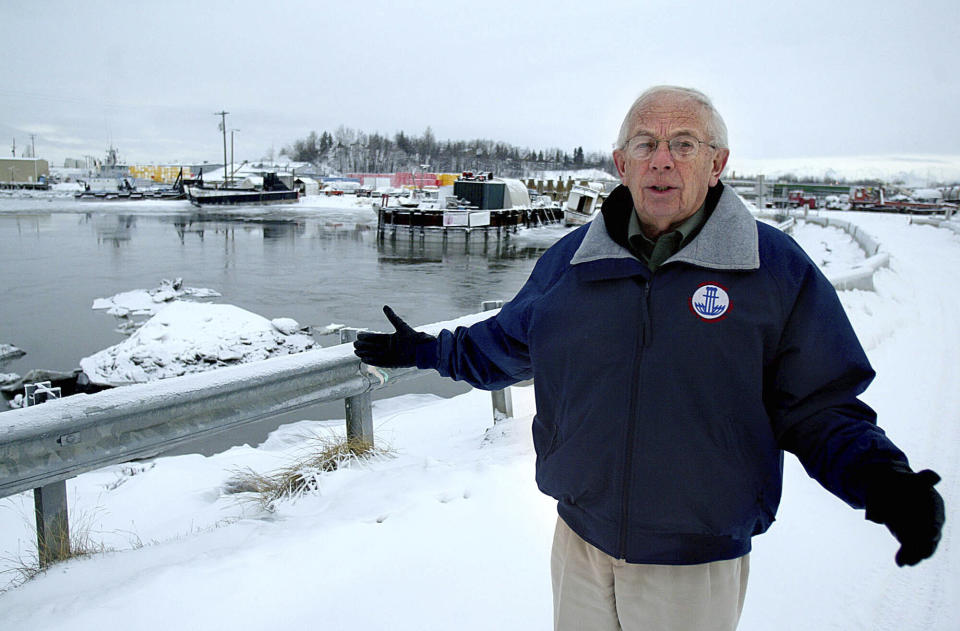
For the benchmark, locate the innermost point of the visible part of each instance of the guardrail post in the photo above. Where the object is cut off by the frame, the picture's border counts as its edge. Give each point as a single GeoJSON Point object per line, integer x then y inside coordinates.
{"type": "Point", "coordinates": [359, 408]}
{"type": "Point", "coordinates": [49, 501]}
{"type": "Point", "coordinates": [502, 399]}
{"type": "Point", "coordinates": [53, 525]}
{"type": "Point", "coordinates": [502, 404]}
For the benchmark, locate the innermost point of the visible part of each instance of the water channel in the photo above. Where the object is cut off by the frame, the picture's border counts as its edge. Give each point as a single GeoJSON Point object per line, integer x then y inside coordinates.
{"type": "Point", "coordinates": [316, 263]}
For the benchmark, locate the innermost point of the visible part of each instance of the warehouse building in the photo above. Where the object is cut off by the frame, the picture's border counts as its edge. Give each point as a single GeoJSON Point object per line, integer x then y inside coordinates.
{"type": "Point", "coordinates": [162, 173]}
{"type": "Point", "coordinates": [23, 170]}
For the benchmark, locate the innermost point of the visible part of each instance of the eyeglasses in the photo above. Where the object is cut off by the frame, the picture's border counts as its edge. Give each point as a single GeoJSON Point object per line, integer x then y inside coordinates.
{"type": "Point", "coordinates": [682, 147]}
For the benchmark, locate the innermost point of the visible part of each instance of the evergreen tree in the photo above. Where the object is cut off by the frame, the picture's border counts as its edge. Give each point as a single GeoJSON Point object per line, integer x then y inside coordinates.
{"type": "Point", "coordinates": [349, 150]}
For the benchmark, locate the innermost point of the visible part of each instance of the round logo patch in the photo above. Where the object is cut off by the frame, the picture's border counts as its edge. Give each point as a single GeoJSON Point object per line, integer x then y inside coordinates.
{"type": "Point", "coordinates": [710, 301]}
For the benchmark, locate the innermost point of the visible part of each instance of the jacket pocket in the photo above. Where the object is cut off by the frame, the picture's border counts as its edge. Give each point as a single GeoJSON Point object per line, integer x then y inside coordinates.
{"type": "Point", "coordinates": [546, 438]}
{"type": "Point", "coordinates": [567, 470]}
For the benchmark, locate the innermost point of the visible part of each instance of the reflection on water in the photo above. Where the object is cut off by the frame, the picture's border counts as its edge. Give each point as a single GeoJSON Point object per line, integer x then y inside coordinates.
{"type": "Point", "coordinates": [318, 268]}
{"type": "Point", "coordinates": [114, 230]}
{"type": "Point", "coordinates": [407, 251]}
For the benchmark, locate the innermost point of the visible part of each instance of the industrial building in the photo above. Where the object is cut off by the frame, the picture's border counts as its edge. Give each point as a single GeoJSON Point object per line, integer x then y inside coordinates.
{"type": "Point", "coordinates": [162, 173]}
{"type": "Point", "coordinates": [23, 170]}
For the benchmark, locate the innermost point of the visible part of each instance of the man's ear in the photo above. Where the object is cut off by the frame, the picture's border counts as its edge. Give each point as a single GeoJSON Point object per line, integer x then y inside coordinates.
{"type": "Point", "coordinates": [719, 163]}
{"type": "Point", "coordinates": [620, 161]}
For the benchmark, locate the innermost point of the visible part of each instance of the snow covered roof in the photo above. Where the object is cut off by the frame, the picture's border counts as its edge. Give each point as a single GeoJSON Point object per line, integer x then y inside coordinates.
{"type": "Point", "coordinates": [576, 175]}
{"type": "Point", "coordinates": [515, 194]}
{"type": "Point", "coordinates": [927, 193]}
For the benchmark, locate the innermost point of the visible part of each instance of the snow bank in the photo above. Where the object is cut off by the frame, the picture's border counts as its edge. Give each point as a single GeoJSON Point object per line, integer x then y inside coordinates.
{"type": "Point", "coordinates": [186, 337]}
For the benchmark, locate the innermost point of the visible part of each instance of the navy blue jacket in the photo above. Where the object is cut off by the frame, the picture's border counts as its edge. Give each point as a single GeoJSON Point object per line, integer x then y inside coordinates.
{"type": "Point", "coordinates": [664, 400]}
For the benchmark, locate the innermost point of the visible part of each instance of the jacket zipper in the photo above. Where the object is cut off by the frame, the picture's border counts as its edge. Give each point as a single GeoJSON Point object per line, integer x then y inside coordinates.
{"type": "Point", "coordinates": [643, 340]}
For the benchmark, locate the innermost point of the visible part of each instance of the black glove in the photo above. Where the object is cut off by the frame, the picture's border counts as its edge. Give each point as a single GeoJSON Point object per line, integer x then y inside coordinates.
{"type": "Point", "coordinates": [390, 350]}
{"type": "Point", "coordinates": [908, 505]}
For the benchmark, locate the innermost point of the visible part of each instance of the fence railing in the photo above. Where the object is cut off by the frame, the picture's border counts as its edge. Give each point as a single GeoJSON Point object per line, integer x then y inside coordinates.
{"type": "Point", "coordinates": [860, 276]}
{"type": "Point", "coordinates": [43, 445]}
{"type": "Point", "coordinates": [939, 222]}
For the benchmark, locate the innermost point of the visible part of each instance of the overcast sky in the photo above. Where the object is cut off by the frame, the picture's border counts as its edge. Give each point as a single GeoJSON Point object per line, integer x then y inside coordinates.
{"type": "Point", "coordinates": [809, 79]}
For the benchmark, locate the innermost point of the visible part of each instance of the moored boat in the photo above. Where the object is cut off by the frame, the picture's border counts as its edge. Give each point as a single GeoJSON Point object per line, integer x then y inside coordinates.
{"type": "Point", "coordinates": [475, 203]}
{"type": "Point", "coordinates": [270, 190]}
{"type": "Point", "coordinates": [582, 205]}
{"type": "Point", "coordinates": [120, 189]}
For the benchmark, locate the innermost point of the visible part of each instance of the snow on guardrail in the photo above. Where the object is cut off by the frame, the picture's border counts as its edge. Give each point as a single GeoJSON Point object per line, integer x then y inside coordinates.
{"type": "Point", "coordinates": [860, 276]}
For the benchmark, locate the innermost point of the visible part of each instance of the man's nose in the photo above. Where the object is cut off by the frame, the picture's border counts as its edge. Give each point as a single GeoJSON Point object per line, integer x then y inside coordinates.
{"type": "Point", "coordinates": [661, 157]}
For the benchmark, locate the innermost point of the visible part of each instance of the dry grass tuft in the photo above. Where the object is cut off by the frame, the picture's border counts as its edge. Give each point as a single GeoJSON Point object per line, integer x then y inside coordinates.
{"type": "Point", "coordinates": [25, 565]}
{"type": "Point", "coordinates": [326, 454]}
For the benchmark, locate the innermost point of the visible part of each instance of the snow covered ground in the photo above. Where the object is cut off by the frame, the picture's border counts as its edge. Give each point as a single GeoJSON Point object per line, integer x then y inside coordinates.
{"type": "Point", "coordinates": [912, 170]}
{"type": "Point", "coordinates": [62, 202]}
{"type": "Point", "coordinates": [833, 250]}
{"type": "Point", "coordinates": [448, 531]}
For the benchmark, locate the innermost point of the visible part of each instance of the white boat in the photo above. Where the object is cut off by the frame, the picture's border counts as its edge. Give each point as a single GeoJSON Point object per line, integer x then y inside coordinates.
{"type": "Point", "coordinates": [428, 198]}
{"type": "Point", "coordinates": [582, 205]}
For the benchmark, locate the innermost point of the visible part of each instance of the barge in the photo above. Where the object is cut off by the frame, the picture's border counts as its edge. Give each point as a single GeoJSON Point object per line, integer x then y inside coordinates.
{"type": "Point", "coordinates": [120, 189]}
{"type": "Point", "coordinates": [475, 204]}
{"type": "Point", "coordinates": [270, 191]}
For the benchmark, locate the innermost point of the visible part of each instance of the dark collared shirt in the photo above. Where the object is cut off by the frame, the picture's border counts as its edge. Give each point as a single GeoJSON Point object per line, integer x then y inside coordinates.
{"type": "Point", "coordinates": [654, 253]}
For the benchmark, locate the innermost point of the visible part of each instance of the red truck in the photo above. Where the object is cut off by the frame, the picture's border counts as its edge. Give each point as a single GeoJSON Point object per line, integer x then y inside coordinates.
{"type": "Point", "coordinates": [799, 199]}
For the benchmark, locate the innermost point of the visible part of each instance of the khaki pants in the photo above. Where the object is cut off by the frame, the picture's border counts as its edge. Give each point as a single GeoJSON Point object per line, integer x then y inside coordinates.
{"type": "Point", "coordinates": [593, 591]}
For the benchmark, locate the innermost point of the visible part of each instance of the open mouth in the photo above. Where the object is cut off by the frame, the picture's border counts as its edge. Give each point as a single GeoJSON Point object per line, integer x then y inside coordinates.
{"type": "Point", "coordinates": [661, 189]}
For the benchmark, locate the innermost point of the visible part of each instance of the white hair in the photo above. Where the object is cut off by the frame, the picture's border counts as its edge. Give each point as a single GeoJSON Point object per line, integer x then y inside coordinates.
{"type": "Point", "coordinates": [716, 128]}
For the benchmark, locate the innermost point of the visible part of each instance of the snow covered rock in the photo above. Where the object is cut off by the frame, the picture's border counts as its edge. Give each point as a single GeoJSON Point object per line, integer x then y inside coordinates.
{"type": "Point", "coordinates": [189, 337]}
{"type": "Point", "coordinates": [287, 326]}
{"type": "Point", "coordinates": [8, 351]}
{"type": "Point", "coordinates": [6, 378]}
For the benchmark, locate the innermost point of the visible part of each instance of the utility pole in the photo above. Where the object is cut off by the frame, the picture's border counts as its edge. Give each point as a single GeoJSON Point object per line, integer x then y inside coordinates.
{"type": "Point", "coordinates": [223, 128]}
{"type": "Point", "coordinates": [231, 151]}
{"type": "Point", "coordinates": [13, 151]}
{"type": "Point", "coordinates": [33, 154]}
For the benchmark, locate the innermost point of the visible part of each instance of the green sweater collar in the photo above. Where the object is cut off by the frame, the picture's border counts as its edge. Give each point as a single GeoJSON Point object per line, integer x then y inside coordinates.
{"type": "Point", "coordinates": [654, 253]}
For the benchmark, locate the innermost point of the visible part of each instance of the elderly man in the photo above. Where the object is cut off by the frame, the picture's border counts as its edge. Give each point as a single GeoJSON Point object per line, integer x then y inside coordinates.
{"type": "Point", "coordinates": [679, 346]}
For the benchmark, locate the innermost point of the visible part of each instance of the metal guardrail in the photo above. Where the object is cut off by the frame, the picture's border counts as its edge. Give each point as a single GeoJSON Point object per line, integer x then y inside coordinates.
{"type": "Point", "coordinates": [783, 225]}
{"type": "Point", "coordinates": [861, 275]}
{"type": "Point", "coordinates": [44, 445]}
{"type": "Point", "coordinates": [940, 223]}
{"type": "Point", "coordinates": [787, 225]}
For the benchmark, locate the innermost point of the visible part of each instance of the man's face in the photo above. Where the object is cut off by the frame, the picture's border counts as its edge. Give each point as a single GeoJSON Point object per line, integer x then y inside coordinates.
{"type": "Point", "coordinates": [666, 191]}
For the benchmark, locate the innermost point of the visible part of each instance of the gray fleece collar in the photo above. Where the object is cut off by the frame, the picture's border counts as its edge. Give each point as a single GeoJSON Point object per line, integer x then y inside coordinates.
{"type": "Point", "coordinates": [727, 241]}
